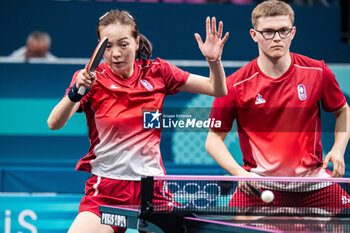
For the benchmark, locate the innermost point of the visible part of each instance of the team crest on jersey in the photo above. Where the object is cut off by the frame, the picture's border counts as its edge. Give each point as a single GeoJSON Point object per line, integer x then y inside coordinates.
{"type": "Point", "coordinates": [302, 92]}
{"type": "Point", "coordinates": [146, 84]}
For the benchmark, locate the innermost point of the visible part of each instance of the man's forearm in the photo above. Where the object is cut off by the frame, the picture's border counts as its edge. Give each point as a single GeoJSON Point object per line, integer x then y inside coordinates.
{"type": "Point", "coordinates": [342, 129]}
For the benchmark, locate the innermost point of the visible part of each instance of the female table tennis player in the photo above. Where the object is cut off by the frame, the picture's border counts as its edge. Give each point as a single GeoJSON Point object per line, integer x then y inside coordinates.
{"type": "Point", "coordinates": [122, 87]}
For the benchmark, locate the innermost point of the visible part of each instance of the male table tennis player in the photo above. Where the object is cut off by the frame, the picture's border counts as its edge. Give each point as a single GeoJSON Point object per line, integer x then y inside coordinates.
{"type": "Point", "coordinates": [275, 101]}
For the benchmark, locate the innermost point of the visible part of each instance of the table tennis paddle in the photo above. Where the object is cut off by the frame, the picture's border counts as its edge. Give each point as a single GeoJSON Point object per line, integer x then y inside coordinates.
{"type": "Point", "coordinates": [256, 190]}
{"type": "Point", "coordinates": [95, 60]}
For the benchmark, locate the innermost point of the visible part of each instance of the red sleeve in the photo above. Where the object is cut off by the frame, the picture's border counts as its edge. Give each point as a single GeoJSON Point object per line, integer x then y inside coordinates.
{"type": "Point", "coordinates": [173, 76]}
{"type": "Point", "coordinates": [224, 110]}
{"type": "Point", "coordinates": [332, 97]}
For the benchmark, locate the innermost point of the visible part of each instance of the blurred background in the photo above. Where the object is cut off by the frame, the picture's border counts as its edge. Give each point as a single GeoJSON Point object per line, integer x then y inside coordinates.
{"type": "Point", "coordinates": [39, 188]}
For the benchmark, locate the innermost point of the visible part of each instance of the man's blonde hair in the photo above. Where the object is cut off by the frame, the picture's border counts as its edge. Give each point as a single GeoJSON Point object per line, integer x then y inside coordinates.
{"type": "Point", "coordinates": [272, 8]}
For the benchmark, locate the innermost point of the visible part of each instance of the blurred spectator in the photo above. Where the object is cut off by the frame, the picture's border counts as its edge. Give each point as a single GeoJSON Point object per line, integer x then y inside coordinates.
{"type": "Point", "coordinates": [37, 46]}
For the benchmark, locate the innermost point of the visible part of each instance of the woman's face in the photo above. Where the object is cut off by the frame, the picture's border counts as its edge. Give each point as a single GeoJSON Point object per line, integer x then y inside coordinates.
{"type": "Point", "coordinates": [121, 49]}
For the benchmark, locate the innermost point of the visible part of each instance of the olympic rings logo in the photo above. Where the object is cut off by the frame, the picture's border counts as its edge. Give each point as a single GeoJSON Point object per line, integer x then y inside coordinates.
{"type": "Point", "coordinates": [191, 194]}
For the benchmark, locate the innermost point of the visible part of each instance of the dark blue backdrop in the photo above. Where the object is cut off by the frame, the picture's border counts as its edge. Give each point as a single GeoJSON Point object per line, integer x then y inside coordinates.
{"type": "Point", "coordinates": [170, 27]}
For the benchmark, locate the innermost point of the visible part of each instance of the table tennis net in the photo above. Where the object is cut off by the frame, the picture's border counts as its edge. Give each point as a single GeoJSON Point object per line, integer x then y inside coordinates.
{"type": "Point", "coordinates": [227, 196]}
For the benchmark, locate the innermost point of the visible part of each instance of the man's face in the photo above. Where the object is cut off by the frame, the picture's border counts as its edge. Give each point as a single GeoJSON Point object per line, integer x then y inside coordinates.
{"type": "Point", "coordinates": [36, 48]}
{"type": "Point", "coordinates": [277, 46]}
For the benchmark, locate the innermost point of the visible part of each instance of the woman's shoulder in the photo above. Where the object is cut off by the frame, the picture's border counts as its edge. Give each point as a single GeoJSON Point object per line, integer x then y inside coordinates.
{"type": "Point", "coordinates": [157, 63]}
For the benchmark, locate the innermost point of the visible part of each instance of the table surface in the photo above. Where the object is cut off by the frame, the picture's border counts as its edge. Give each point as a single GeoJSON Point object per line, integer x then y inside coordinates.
{"type": "Point", "coordinates": [129, 217]}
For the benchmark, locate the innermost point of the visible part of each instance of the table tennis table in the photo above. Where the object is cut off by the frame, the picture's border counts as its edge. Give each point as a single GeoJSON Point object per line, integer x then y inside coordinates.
{"type": "Point", "coordinates": [131, 217]}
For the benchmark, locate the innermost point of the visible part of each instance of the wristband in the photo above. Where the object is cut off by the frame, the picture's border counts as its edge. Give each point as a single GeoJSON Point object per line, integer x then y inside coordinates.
{"type": "Point", "coordinates": [73, 94]}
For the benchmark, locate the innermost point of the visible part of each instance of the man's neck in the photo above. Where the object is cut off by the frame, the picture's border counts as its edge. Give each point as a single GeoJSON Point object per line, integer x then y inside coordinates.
{"type": "Point", "coordinates": [274, 68]}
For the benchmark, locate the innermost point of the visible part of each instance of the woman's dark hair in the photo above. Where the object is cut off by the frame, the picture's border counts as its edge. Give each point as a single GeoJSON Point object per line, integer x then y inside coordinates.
{"type": "Point", "coordinates": [124, 18]}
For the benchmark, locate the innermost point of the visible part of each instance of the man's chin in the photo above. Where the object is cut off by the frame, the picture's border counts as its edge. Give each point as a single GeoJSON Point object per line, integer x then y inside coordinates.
{"type": "Point", "coordinates": [277, 55]}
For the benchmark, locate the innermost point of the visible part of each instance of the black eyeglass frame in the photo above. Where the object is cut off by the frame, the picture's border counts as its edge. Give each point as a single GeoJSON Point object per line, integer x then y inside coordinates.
{"type": "Point", "coordinates": [274, 33]}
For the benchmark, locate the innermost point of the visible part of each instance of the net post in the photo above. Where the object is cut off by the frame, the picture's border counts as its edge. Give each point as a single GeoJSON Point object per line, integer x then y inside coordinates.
{"type": "Point", "coordinates": [147, 186]}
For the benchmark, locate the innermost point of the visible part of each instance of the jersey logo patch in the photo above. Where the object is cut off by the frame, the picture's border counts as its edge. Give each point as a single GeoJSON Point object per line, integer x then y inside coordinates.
{"type": "Point", "coordinates": [302, 92]}
{"type": "Point", "coordinates": [259, 100]}
{"type": "Point", "coordinates": [112, 86]}
{"type": "Point", "coordinates": [146, 84]}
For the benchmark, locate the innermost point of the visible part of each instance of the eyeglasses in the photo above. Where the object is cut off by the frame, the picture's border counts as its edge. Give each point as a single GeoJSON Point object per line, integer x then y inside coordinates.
{"type": "Point", "coordinates": [270, 33]}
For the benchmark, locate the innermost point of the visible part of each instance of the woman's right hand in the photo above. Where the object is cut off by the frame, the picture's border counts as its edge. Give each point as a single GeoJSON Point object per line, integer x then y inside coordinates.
{"type": "Point", "coordinates": [85, 79]}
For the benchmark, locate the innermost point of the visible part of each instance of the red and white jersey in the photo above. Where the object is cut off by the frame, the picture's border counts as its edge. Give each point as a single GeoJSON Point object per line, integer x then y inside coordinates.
{"type": "Point", "coordinates": [120, 147]}
{"type": "Point", "coordinates": [279, 119]}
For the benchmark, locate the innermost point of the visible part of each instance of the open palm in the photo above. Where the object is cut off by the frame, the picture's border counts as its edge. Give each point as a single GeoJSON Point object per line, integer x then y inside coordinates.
{"type": "Point", "coordinates": [214, 44]}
